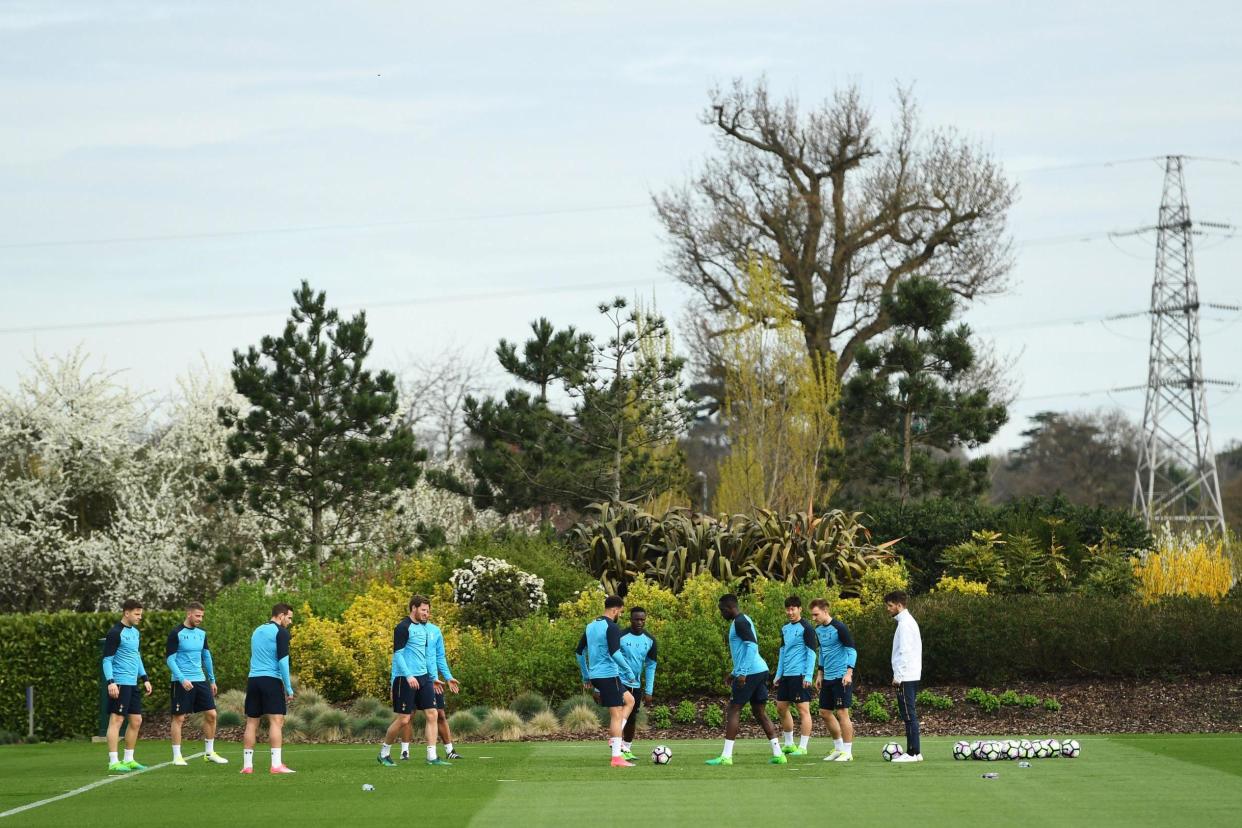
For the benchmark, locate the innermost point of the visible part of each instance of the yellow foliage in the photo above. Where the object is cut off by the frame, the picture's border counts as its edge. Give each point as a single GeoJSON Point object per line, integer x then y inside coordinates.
{"type": "Point", "coordinates": [700, 596]}
{"type": "Point", "coordinates": [882, 579]}
{"type": "Point", "coordinates": [960, 585]}
{"type": "Point", "coordinates": [588, 604]}
{"type": "Point", "coordinates": [420, 574]}
{"type": "Point", "coordinates": [660, 603]}
{"type": "Point", "coordinates": [847, 609]}
{"type": "Point", "coordinates": [322, 658]}
{"type": "Point", "coordinates": [778, 405]}
{"type": "Point", "coordinates": [367, 627]}
{"type": "Point", "coordinates": [1187, 564]}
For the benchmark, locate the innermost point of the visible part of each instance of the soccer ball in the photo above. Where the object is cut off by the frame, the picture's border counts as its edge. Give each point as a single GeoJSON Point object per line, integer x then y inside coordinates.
{"type": "Point", "coordinates": [1054, 748]}
{"type": "Point", "coordinates": [662, 755]}
{"type": "Point", "coordinates": [1070, 749]}
{"type": "Point", "coordinates": [891, 751]}
{"type": "Point", "coordinates": [961, 750]}
{"type": "Point", "coordinates": [1042, 751]}
{"type": "Point", "coordinates": [991, 751]}
{"type": "Point", "coordinates": [976, 750]}
{"type": "Point", "coordinates": [1013, 751]}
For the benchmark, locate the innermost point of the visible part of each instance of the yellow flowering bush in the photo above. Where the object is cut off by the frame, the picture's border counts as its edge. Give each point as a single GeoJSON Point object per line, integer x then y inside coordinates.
{"type": "Point", "coordinates": [847, 609]}
{"type": "Point", "coordinates": [960, 585]}
{"type": "Point", "coordinates": [1185, 564]}
{"type": "Point", "coordinates": [882, 579]}
{"type": "Point", "coordinates": [323, 658]}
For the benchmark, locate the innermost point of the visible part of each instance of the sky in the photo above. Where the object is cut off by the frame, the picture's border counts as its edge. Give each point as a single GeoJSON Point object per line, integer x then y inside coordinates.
{"type": "Point", "coordinates": [460, 173]}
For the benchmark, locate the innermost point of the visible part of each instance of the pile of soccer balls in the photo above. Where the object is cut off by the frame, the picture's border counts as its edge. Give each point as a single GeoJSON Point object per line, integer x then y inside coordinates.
{"type": "Point", "coordinates": [991, 751]}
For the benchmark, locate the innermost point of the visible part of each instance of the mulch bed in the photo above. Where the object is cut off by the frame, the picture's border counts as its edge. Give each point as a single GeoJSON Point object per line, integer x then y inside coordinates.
{"type": "Point", "coordinates": [1205, 705]}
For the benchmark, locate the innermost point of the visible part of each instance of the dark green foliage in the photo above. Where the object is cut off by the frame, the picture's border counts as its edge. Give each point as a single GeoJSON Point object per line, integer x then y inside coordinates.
{"type": "Point", "coordinates": [322, 447]}
{"type": "Point", "coordinates": [991, 703]}
{"type": "Point", "coordinates": [932, 700]}
{"type": "Point", "coordinates": [875, 708]}
{"type": "Point", "coordinates": [1009, 698]}
{"type": "Point", "coordinates": [499, 599]}
{"type": "Point", "coordinates": [583, 700]}
{"type": "Point", "coordinates": [713, 716]}
{"type": "Point", "coordinates": [528, 704]}
{"type": "Point", "coordinates": [539, 554]}
{"type": "Point", "coordinates": [59, 654]}
{"type": "Point", "coordinates": [1052, 705]}
{"type": "Point", "coordinates": [661, 717]}
{"type": "Point", "coordinates": [1028, 701]}
{"type": "Point", "coordinates": [975, 695]}
{"type": "Point", "coordinates": [230, 718]}
{"type": "Point", "coordinates": [464, 723]}
{"type": "Point", "coordinates": [479, 711]}
{"type": "Point", "coordinates": [685, 713]}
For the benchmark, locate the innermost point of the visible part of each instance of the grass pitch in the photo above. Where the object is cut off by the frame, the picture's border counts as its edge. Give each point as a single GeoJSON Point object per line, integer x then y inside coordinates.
{"type": "Point", "coordinates": [1118, 780]}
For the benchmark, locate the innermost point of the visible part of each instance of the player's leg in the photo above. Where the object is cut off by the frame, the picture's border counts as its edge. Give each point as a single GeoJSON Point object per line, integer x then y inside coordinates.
{"type": "Point", "coordinates": [115, 721]}
{"type": "Point", "coordinates": [806, 726]}
{"type": "Point", "coordinates": [132, 728]}
{"type": "Point", "coordinates": [205, 703]}
{"type": "Point", "coordinates": [425, 700]}
{"type": "Point", "coordinates": [174, 733]}
{"type": "Point", "coordinates": [399, 728]}
{"type": "Point", "coordinates": [787, 723]}
{"type": "Point", "coordinates": [733, 717]}
{"type": "Point", "coordinates": [846, 725]}
{"type": "Point", "coordinates": [759, 708]}
{"type": "Point", "coordinates": [906, 692]}
{"type": "Point", "coordinates": [630, 727]}
{"type": "Point", "coordinates": [446, 737]}
{"type": "Point", "coordinates": [276, 738]}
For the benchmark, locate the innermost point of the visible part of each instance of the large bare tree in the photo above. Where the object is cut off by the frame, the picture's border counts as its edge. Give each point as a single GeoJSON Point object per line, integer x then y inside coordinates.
{"type": "Point", "coordinates": [843, 210]}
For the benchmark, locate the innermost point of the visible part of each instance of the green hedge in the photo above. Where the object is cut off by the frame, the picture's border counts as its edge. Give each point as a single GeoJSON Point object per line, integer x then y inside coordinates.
{"type": "Point", "coordinates": [59, 653]}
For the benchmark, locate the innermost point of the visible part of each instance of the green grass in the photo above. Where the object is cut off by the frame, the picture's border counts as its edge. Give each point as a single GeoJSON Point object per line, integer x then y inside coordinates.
{"type": "Point", "coordinates": [1119, 780]}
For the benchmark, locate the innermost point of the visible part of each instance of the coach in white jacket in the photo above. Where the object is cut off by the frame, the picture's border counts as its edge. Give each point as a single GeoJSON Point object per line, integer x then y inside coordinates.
{"type": "Point", "coordinates": [907, 670]}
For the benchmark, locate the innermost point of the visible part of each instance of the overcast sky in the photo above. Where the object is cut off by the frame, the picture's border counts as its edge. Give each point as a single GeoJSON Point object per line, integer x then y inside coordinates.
{"type": "Point", "coordinates": [181, 159]}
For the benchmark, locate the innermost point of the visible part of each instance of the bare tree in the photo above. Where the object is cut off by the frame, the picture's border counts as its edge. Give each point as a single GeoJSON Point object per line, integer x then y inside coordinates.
{"type": "Point", "coordinates": [434, 392]}
{"type": "Point", "coordinates": [842, 211]}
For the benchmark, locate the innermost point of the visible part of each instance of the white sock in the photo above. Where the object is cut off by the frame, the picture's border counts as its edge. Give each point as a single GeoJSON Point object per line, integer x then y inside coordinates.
{"type": "Point", "coordinates": [385, 749]}
{"type": "Point", "coordinates": [615, 745]}
{"type": "Point", "coordinates": [847, 747]}
{"type": "Point", "coordinates": [788, 734]}
{"type": "Point", "coordinates": [209, 746]}
{"type": "Point", "coordinates": [112, 758]}
{"type": "Point", "coordinates": [405, 747]}
{"type": "Point", "coordinates": [247, 758]}
{"type": "Point", "coordinates": [776, 746]}
{"type": "Point", "coordinates": [448, 747]}
{"type": "Point", "coordinates": [276, 758]}
{"type": "Point", "coordinates": [176, 751]}
{"type": "Point", "coordinates": [431, 753]}
{"type": "Point", "coordinates": [837, 743]}
{"type": "Point", "coordinates": [803, 741]}
{"type": "Point", "coordinates": [625, 746]}
{"type": "Point", "coordinates": [129, 755]}
{"type": "Point", "coordinates": [728, 749]}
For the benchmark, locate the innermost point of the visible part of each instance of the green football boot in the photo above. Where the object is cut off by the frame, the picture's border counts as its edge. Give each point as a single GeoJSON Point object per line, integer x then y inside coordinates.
{"type": "Point", "coordinates": [439, 762]}
{"type": "Point", "coordinates": [787, 749]}
{"type": "Point", "coordinates": [134, 765]}
{"type": "Point", "coordinates": [629, 757]}
{"type": "Point", "coordinates": [720, 760]}
{"type": "Point", "coordinates": [386, 761]}
{"type": "Point", "coordinates": [118, 767]}
{"type": "Point", "coordinates": [780, 759]}
{"type": "Point", "coordinates": [796, 751]}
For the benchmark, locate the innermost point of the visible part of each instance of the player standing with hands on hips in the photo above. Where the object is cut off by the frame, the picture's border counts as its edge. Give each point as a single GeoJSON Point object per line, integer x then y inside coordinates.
{"type": "Point", "coordinates": [907, 670]}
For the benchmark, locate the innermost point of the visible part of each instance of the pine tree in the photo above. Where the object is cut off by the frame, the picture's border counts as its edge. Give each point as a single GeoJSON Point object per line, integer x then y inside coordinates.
{"type": "Point", "coordinates": [320, 449]}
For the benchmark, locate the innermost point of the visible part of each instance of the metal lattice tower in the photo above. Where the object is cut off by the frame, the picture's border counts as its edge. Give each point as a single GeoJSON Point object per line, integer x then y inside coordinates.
{"type": "Point", "coordinates": [1176, 478]}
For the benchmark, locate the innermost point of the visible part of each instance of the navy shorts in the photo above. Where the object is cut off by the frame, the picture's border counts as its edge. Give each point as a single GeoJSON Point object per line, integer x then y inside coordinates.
{"type": "Point", "coordinates": [196, 700]}
{"type": "Point", "coordinates": [265, 696]}
{"type": "Point", "coordinates": [752, 689]}
{"type": "Point", "coordinates": [790, 689]}
{"type": "Point", "coordinates": [834, 695]}
{"type": "Point", "coordinates": [405, 699]}
{"type": "Point", "coordinates": [611, 691]}
{"type": "Point", "coordinates": [128, 703]}
{"type": "Point", "coordinates": [439, 701]}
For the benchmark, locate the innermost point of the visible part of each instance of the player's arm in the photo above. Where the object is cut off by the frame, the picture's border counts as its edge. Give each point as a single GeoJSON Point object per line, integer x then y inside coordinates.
{"type": "Point", "coordinates": [811, 641]}
{"type": "Point", "coordinates": [209, 667]}
{"type": "Point", "coordinates": [171, 646]}
{"type": "Point", "coordinates": [750, 644]}
{"type": "Point", "coordinates": [780, 660]}
{"type": "Point", "coordinates": [846, 640]}
{"type": "Point", "coordinates": [112, 642]}
{"type": "Point", "coordinates": [650, 670]}
{"type": "Point", "coordinates": [142, 672]}
{"type": "Point", "coordinates": [618, 656]}
{"type": "Point", "coordinates": [580, 656]}
{"type": "Point", "coordinates": [282, 659]}
{"type": "Point", "coordinates": [400, 637]}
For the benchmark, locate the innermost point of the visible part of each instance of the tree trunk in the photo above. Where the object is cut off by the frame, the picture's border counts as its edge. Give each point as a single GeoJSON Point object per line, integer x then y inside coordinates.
{"type": "Point", "coordinates": [907, 453]}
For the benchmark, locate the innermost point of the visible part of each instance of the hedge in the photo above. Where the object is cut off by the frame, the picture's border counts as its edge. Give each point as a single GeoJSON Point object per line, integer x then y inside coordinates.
{"type": "Point", "coordinates": [59, 654]}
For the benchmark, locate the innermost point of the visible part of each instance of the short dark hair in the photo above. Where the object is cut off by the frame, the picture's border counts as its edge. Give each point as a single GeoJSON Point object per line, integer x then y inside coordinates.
{"type": "Point", "coordinates": [793, 601]}
{"type": "Point", "coordinates": [193, 605]}
{"type": "Point", "coordinates": [819, 603]}
{"type": "Point", "coordinates": [131, 604]}
{"type": "Point", "coordinates": [634, 610]}
{"type": "Point", "coordinates": [613, 601]}
{"type": "Point", "coordinates": [281, 609]}
{"type": "Point", "coordinates": [418, 601]}
{"type": "Point", "coordinates": [728, 600]}
{"type": "Point", "coordinates": [897, 596]}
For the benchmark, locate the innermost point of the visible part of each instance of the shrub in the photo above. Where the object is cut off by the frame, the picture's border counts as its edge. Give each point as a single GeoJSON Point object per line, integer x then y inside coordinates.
{"type": "Point", "coordinates": [1009, 698]}
{"type": "Point", "coordinates": [975, 695]}
{"type": "Point", "coordinates": [493, 592]}
{"type": "Point", "coordinates": [528, 705]}
{"type": "Point", "coordinates": [770, 708]}
{"type": "Point", "coordinates": [661, 716]}
{"type": "Point", "coordinates": [331, 725]}
{"type": "Point", "coordinates": [584, 700]}
{"type": "Point", "coordinates": [479, 711]}
{"type": "Point", "coordinates": [230, 718]}
{"type": "Point", "coordinates": [959, 585]}
{"type": "Point", "coordinates": [306, 696]}
{"type": "Point", "coordinates": [933, 701]}
{"type": "Point", "coordinates": [990, 703]}
{"type": "Point", "coordinates": [543, 723]}
{"type": "Point", "coordinates": [464, 723]}
{"type": "Point", "coordinates": [312, 713]}
{"type": "Point", "coordinates": [685, 713]}
{"type": "Point", "coordinates": [977, 559]}
{"type": "Point", "coordinates": [1187, 564]}
{"type": "Point", "coordinates": [503, 725]}
{"type": "Point", "coordinates": [367, 706]}
{"type": "Point", "coordinates": [368, 726]}
{"type": "Point", "coordinates": [1052, 705]}
{"type": "Point", "coordinates": [713, 716]}
{"type": "Point", "coordinates": [322, 658]}
{"type": "Point", "coordinates": [580, 719]}
{"type": "Point", "coordinates": [232, 701]}
{"type": "Point", "coordinates": [882, 579]}
{"type": "Point", "coordinates": [539, 554]}
{"type": "Point", "coordinates": [1028, 701]}
{"type": "Point", "coordinates": [875, 708]}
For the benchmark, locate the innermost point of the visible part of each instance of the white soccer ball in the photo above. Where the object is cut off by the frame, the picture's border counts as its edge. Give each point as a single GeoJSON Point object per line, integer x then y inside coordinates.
{"type": "Point", "coordinates": [891, 751]}
{"type": "Point", "coordinates": [1013, 751]}
{"type": "Point", "coordinates": [961, 750]}
{"type": "Point", "coordinates": [662, 755]}
{"type": "Point", "coordinates": [991, 751]}
{"type": "Point", "coordinates": [1070, 749]}
{"type": "Point", "coordinates": [976, 750]}
{"type": "Point", "coordinates": [368, 787]}
{"type": "Point", "coordinates": [1042, 751]}
{"type": "Point", "coordinates": [1054, 748]}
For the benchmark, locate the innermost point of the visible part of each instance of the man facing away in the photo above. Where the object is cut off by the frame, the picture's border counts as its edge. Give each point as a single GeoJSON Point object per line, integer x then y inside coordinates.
{"type": "Point", "coordinates": [837, 657]}
{"type": "Point", "coordinates": [748, 683]}
{"type": "Point", "coordinates": [639, 648]}
{"type": "Point", "coordinates": [193, 683]}
{"type": "Point", "coordinates": [441, 677]}
{"type": "Point", "coordinates": [123, 670]}
{"type": "Point", "coordinates": [606, 673]}
{"type": "Point", "coordinates": [795, 667]}
{"type": "Point", "coordinates": [413, 688]}
{"type": "Point", "coordinates": [269, 688]}
{"type": "Point", "coordinates": [907, 670]}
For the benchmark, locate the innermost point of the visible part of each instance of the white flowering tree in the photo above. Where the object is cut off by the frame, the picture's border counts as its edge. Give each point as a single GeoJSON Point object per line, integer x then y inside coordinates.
{"type": "Point", "coordinates": [492, 592]}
